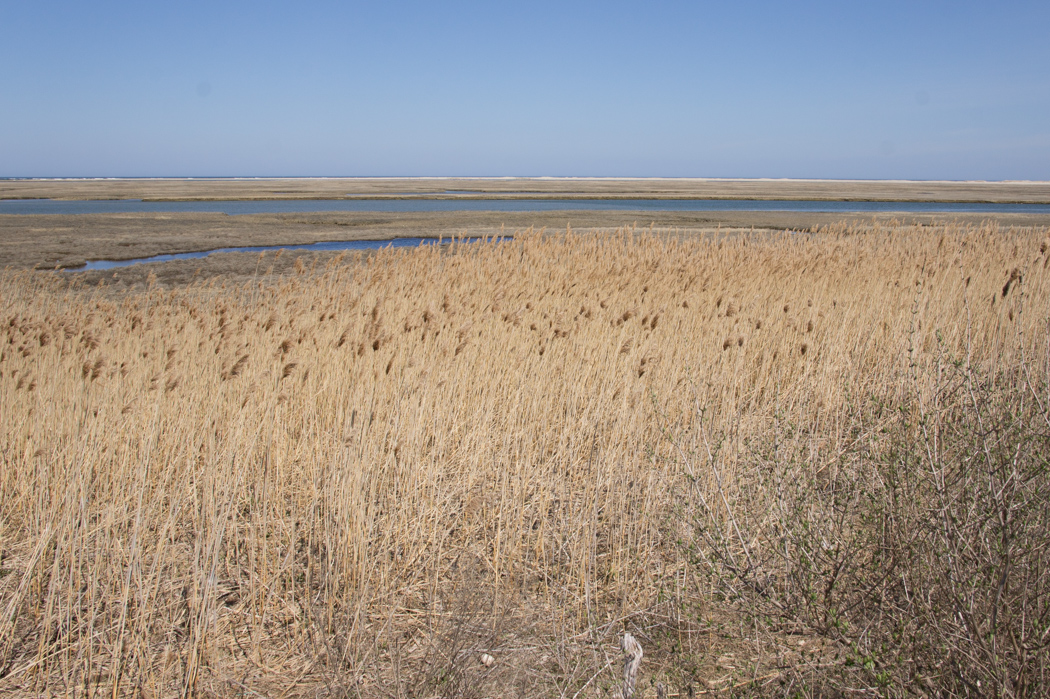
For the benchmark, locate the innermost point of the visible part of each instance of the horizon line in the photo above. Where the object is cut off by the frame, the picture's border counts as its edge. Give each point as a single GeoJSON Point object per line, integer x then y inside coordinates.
{"type": "Point", "coordinates": [514, 177]}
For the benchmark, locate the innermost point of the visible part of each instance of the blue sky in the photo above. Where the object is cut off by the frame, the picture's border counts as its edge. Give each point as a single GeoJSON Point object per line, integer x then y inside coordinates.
{"type": "Point", "coordinates": [918, 90]}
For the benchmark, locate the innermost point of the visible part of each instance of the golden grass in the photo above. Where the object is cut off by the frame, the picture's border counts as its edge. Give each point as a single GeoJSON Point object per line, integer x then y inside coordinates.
{"type": "Point", "coordinates": [210, 488]}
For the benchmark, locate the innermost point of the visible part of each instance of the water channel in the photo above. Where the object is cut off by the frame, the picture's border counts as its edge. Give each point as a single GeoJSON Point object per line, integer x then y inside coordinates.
{"type": "Point", "coordinates": [333, 246]}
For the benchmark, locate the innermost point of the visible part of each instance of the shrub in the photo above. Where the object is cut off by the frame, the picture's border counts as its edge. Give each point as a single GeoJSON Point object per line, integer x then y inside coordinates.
{"type": "Point", "coordinates": [919, 552]}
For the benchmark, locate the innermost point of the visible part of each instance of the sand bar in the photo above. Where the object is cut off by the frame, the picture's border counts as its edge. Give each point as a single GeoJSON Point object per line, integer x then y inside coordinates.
{"type": "Point", "coordinates": [204, 189]}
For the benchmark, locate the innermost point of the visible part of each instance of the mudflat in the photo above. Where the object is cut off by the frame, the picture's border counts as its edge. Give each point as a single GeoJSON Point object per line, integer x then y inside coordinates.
{"type": "Point", "coordinates": [205, 189]}
{"type": "Point", "coordinates": [68, 241]}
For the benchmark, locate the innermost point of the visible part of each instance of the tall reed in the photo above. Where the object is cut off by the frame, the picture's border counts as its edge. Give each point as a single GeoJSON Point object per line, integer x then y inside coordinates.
{"type": "Point", "coordinates": [274, 483]}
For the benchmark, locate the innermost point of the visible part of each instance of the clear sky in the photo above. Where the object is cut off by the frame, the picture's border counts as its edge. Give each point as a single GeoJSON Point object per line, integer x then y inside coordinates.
{"type": "Point", "coordinates": [917, 90]}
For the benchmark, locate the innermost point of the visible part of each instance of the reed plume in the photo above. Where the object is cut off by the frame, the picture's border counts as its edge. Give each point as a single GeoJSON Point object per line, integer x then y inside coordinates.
{"type": "Point", "coordinates": [426, 420]}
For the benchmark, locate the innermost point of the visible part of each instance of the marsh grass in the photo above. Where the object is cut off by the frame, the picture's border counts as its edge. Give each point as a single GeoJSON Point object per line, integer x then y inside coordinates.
{"type": "Point", "coordinates": [292, 487]}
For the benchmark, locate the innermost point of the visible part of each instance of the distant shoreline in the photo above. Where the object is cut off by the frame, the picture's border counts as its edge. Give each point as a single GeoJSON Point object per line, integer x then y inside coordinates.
{"type": "Point", "coordinates": [544, 178]}
{"type": "Point", "coordinates": [511, 188]}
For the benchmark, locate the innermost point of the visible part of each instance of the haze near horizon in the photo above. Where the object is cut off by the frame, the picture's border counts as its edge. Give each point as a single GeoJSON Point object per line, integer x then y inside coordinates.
{"type": "Point", "coordinates": [757, 89]}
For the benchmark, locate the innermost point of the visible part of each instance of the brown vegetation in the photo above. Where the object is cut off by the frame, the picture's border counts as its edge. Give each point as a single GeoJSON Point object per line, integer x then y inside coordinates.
{"type": "Point", "coordinates": [356, 480]}
{"type": "Point", "coordinates": [47, 241]}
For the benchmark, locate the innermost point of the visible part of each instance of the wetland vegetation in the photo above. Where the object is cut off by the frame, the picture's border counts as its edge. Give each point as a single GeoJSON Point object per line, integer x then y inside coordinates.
{"type": "Point", "coordinates": [790, 464]}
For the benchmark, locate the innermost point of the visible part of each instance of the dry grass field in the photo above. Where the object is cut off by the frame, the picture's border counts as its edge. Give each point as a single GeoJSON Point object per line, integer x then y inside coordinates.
{"type": "Point", "coordinates": [789, 464]}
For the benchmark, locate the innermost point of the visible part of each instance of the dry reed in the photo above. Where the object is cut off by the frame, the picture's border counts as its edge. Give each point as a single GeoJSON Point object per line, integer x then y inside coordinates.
{"type": "Point", "coordinates": [281, 487]}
